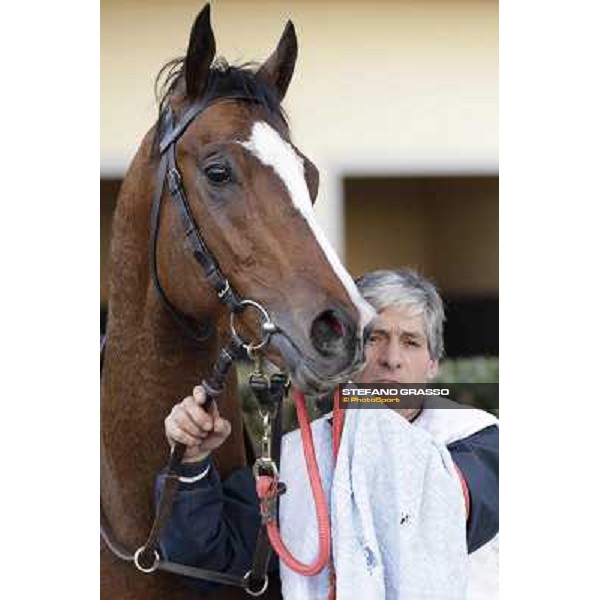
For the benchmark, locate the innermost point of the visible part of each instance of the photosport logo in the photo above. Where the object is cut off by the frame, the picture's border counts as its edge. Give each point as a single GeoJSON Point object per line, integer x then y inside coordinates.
{"type": "Point", "coordinates": [417, 395]}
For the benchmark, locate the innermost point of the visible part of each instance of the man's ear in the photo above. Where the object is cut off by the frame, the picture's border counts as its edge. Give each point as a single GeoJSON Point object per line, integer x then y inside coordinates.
{"type": "Point", "coordinates": [200, 54]}
{"type": "Point", "coordinates": [278, 69]}
{"type": "Point", "coordinates": [432, 369]}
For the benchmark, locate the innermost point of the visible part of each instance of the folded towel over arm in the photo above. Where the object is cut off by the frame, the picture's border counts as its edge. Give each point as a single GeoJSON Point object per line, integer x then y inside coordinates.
{"type": "Point", "coordinates": [397, 510]}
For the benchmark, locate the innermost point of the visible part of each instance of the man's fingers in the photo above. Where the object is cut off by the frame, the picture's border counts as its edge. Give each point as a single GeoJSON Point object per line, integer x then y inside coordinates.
{"type": "Point", "coordinates": [202, 420]}
{"type": "Point", "coordinates": [178, 435]}
{"type": "Point", "coordinates": [182, 420]}
{"type": "Point", "coordinates": [199, 396]}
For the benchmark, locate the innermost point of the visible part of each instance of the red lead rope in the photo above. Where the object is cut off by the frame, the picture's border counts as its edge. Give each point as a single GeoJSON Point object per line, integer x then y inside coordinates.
{"type": "Point", "coordinates": [266, 489]}
{"type": "Point", "coordinates": [267, 492]}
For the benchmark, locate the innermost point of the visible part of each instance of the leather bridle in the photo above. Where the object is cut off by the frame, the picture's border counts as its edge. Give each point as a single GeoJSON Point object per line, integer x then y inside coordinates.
{"type": "Point", "coordinates": [147, 558]}
{"type": "Point", "coordinates": [169, 173]}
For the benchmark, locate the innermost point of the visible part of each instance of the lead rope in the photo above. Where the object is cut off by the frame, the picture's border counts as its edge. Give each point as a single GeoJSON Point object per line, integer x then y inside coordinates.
{"type": "Point", "coordinates": [267, 490]}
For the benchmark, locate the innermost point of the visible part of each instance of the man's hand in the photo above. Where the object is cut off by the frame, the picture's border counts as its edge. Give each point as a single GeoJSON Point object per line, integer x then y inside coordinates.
{"type": "Point", "coordinates": [200, 431]}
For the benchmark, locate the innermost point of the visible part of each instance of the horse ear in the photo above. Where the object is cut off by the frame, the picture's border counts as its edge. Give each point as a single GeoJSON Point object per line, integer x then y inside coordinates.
{"type": "Point", "coordinates": [200, 54]}
{"type": "Point", "coordinates": [278, 69]}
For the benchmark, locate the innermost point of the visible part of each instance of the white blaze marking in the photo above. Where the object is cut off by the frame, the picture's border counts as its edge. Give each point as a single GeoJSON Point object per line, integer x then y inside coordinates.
{"type": "Point", "coordinates": [268, 146]}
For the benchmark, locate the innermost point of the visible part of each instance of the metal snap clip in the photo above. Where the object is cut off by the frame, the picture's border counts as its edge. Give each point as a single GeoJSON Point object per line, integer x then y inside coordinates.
{"type": "Point", "coordinates": [265, 466]}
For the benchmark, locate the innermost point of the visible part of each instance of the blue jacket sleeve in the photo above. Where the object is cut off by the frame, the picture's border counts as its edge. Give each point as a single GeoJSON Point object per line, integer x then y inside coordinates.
{"type": "Point", "coordinates": [477, 458]}
{"type": "Point", "coordinates": [212, 525]}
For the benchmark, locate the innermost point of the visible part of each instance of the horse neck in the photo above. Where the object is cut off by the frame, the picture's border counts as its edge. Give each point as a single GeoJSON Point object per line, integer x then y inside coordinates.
{"type": "Point", "coordinates": [149, 366]}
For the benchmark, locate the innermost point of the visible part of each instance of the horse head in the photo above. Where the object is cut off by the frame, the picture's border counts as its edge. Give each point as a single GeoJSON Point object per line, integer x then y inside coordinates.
{"type": "Point", "coordinates": [250, 191]}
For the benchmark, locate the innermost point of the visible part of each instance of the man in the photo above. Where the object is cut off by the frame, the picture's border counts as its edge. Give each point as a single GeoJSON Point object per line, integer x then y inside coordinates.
{"type": "Point", "coordinates": [214, 524]}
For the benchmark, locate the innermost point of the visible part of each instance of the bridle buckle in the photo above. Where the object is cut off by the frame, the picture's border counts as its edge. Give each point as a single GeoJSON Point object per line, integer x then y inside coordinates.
{"type": "Point", "coordinates": [224, 290]}
{"type": "Point", "coordinates": [173, 181]}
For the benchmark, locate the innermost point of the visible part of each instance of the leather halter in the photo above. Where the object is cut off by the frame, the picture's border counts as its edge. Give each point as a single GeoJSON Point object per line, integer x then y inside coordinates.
{"type": "Point", "coordinates": [146, 558]}
{"type": "Point", "coordinates": [170, 132]}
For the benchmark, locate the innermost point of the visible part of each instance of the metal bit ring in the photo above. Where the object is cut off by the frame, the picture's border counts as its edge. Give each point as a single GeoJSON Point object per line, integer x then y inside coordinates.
{"type": "Point", "coordinates": [267, 326]}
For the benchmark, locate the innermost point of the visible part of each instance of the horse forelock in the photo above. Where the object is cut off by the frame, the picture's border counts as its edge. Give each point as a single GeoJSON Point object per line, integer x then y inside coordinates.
{"type": "Point", "coordinates": [224, 81]}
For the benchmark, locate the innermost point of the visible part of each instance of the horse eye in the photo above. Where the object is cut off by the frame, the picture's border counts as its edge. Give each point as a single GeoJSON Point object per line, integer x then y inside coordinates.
{"type": "Point", "coordinates": [218, 174]}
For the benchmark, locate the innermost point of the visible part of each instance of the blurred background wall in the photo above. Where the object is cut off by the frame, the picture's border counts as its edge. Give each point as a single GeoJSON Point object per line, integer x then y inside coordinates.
{"type": "Point", "coordinates": [397, 104]}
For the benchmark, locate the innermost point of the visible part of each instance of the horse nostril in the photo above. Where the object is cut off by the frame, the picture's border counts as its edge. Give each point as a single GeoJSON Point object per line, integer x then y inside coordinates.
{"type": "Point", "coordinates": [329, 333]}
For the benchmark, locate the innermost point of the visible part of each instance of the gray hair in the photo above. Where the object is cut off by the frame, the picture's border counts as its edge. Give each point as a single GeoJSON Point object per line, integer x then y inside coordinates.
{"type": "Point", "coordinates": [405, 287]}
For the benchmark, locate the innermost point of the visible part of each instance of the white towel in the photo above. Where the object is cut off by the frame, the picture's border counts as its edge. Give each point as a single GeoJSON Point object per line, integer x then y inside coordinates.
{"type": "Point", "coordinates": [448, 426]}
{"type": "Point", "coordinates": [397, 512]}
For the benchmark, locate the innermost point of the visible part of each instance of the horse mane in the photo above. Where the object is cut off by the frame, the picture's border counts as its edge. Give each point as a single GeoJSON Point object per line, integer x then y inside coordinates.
{"type": "Point", "coordinates": [224, 80]}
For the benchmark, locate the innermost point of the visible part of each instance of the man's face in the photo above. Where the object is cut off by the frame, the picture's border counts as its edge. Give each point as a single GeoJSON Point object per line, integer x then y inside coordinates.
{"type": "Point", "coordinates": [397, 351]}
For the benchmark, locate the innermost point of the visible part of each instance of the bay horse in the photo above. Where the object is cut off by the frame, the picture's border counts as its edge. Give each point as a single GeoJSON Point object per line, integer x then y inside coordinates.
{"type": "Point", "coordinates": [250, 192]}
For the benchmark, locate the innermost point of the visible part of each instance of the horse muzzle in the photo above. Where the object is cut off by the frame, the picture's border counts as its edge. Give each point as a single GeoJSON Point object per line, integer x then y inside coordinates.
{"type": "Point", "coordinates": [332, 358]}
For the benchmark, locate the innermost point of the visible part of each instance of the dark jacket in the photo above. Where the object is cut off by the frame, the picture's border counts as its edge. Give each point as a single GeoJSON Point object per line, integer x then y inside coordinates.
{"type": "Point", "coordinates": [214, 523]}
